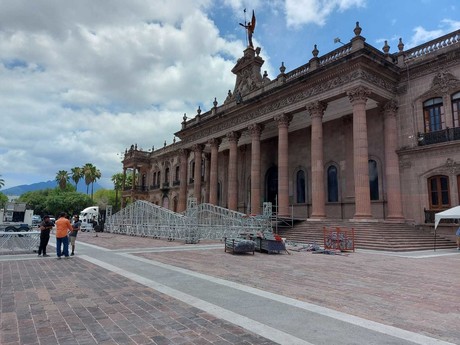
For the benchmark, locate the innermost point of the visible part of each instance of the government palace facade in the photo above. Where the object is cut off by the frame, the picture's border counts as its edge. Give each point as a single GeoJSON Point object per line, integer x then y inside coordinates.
{"type": "Point", "coordinates": [357, 134]}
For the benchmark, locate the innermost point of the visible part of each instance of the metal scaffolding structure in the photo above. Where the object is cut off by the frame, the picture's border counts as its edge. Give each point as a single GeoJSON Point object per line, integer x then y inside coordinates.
{"type": "Point", "coordinates": [203, 221]}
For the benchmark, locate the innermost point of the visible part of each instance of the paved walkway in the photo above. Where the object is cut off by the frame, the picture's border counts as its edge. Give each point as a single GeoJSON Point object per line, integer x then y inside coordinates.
{"type": "Point", "coordinates": [129, 290]}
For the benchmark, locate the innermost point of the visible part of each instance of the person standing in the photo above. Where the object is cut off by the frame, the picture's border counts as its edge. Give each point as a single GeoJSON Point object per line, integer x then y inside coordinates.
{"type": "Point", "coordinates": [63, 227]}
{"type": "Point", "coordinates": [45, 228]}
{"type": "Point", "coordinates": [73, 235]}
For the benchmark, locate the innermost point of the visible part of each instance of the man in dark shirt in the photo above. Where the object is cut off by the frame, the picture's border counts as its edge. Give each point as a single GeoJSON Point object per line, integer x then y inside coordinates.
{"type": "Point", "coordinates": [73, 234]}
{"type": "Point", "coordinates": [45, 228]}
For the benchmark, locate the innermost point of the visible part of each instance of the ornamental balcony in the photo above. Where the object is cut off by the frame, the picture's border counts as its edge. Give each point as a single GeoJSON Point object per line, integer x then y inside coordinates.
{"type": "Point", "coordinates": [444, 135]}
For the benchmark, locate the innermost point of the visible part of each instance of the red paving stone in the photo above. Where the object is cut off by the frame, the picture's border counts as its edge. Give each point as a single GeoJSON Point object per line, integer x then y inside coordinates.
{"type": "Point", "coordinates": [52, 301]}
{"type": "Point", "coordinates": [419, 295]}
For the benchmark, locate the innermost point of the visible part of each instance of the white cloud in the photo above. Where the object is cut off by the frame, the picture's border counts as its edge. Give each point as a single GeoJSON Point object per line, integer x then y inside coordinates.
{"type": "Point", "coordinates": [81, 83]}
{"type": "Point", "coordinates": [301, 12]}
{"type": "Point", "coordinates": [421, 35]}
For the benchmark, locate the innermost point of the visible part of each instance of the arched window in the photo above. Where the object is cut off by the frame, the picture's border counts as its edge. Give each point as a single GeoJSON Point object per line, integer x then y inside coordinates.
{"type": "Point", "coordinates": [219, 193]}
{"type": "Point", "coordinates": [300, 184]}
{"type": "Point", "coordinates": [167, 175]}
{"type": "Point", "coordinates": [144, 181]}
{"type": "Point", "coordinates": [192, 171]}
{"type": "Point", "coordinates": [158, 178]}
{"type": "Point", "coordinates": [456, 109]}
{"type": "Point", "coordinates": [332, 184]}
{"type": "Point", "coordinates": [438, 189]}
{"type": "Point", "coordinates": [176, 178]}
{"type": "Point", "coordinates": [373, 179]}
{"type": "Point", "coordinates": [433, 112]}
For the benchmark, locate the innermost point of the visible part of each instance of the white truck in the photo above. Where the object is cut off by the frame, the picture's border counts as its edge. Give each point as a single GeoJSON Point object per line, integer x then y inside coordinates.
{"type": "Point", "coordinates": [16, 217]}
{"type": "Point", "coordinates": [89, 218]}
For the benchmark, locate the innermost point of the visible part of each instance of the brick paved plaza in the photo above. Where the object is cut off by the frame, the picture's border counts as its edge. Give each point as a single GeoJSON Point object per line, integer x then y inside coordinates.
{"type": "Point", "coordinates": [79, 301]}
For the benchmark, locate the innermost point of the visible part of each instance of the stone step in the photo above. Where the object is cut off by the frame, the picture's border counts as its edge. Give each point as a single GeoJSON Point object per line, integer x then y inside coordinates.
{"type": "Point", "coordinates": [369, 235]}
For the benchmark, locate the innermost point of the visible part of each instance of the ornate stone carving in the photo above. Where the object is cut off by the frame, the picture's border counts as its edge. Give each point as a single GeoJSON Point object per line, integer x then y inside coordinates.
{"type": "Point", "coordinates": [390, 108]}
{"type": "Point", "coordinates": [183, 154]}
{"type": "Point", "coordinates": [307, 92]}
{"type": "Point", "coordinates": [444, 82]}
{"type": "Point", "coordinates": [255, 129]}
{"type": "Point", "coordinates": [233, 136]}
{"type": "Point", "coordinates": [215, 142]}
{"type": "Point", "coordinates": [283, 120]}
{"type": "Point", "coordinates": [316, 108]}
{"type": "Point", "coordinates": [198, 148]}
{"type": "Point", "coordinates": [358, 94]}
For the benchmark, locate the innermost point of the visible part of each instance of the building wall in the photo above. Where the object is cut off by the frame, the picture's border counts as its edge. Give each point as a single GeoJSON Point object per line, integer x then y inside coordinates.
{"type": "Point", "coordinates": [407, 77]}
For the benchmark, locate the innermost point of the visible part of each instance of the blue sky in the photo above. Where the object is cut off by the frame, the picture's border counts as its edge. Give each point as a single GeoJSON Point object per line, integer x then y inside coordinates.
{"type": "Point", "coordinates": [83, 80]}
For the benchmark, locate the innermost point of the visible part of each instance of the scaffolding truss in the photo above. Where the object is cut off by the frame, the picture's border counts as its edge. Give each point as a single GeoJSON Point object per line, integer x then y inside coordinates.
{"type": "Point", "coordinates": [203, 221]}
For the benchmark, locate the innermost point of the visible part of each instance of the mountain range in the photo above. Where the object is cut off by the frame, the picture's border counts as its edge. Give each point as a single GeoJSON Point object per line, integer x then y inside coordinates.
{"type": "Point", "coordinates": [18, 190]}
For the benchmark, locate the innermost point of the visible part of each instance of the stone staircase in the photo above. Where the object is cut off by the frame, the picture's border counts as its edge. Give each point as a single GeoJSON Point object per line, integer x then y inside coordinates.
{"type": "Point", "coordinates": [368, 235]}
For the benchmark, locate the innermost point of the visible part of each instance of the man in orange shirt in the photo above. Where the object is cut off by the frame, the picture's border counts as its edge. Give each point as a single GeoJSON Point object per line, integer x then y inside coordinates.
{"type": "Point", "coordinates": [63, 226]}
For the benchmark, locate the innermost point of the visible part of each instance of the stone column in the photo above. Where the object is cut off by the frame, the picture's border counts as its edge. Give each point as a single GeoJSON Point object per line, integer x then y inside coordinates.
{"type": "Point", "coordinates": [358, 98]}
{"type": "Point", "coordinates": [316, 110]}
{"type": "Point", "coordinates": [283, 164]}
{"type": "Point", "coordinates": [207, 173]}
{"type": "Point", "coordinates": [123, 184]}
{"type": "Point", "coordinates": [197, 150]}
{"type": "Point", "coordinates": [255, 130]}
{"type": "Point", "coordinates": [233, 170]}
{"type": "Point", "coordinates": [213, 176]}
{"type": "Point", "coordinates": [182, 203]}
{"type": "Point", "coordinates": [393, 184]}
{"type": "Point", "coordinates": [133, 185]}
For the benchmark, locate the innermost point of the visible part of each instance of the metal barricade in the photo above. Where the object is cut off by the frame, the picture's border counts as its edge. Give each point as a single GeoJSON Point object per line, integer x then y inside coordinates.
{"type": "Point", "coordinates": [19, 241]}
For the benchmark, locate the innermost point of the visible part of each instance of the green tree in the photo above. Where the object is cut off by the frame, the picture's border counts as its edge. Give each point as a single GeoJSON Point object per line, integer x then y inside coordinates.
{"type": "Point", "coordinates": [77, 175]}
{"type": "Point", "coordinates": [104, 197]}
{"type": "Point", "coordinates": [62, 177]}
{"type": "Point", "coordinates": [53, 201]}
{"type": "Point", "coordinates": [91, 174]}
{"type": "Point", "coordinates": [96, 176]}
{"type": "Point", "coordinates": [3, 200]}
{"type": "Point", "coordinates": [117, 180]}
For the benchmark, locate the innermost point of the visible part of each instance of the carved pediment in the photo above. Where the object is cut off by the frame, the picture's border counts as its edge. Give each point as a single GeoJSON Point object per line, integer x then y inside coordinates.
{"type": "Point", "coordinates": [444, 82]}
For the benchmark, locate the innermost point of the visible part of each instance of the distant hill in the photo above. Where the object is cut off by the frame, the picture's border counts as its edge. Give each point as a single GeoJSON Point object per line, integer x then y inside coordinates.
{"type": "Point", "coordinates": [18, 190]}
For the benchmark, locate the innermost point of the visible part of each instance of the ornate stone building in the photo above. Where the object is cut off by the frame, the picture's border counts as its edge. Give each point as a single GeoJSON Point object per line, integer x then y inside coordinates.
{"type": "Point", "coordinates": [359, 133]}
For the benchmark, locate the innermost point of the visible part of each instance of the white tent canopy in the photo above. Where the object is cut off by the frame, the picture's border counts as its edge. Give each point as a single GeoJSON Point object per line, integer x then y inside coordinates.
{"type": "Point", "coordinates": [451, 213]}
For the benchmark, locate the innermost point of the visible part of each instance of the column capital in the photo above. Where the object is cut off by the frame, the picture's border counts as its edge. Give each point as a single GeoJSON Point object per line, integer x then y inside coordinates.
{"type": "Point", "coordinates": [233, 136]}
{"type": "Point", "coordinates": [359, 94]}
{"type": "Point", "coordinates": [390, 108]}
{"type": "Point", "coordinates": [198, 148]}
{"type": "Point", "coordinates": [316, 108]}
{"type": "Point", "coordinates": [215, 142]}
{"type": "Point", "coordinates": [255, 129]}
{"type": "Point", "coordinates": [183, 154]}
{"type": "Point", "coordinates": [283, 120]}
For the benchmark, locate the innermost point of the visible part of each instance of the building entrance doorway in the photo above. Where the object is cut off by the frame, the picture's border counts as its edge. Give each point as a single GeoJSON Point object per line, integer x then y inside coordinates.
{"type": "Point", "coordinates": [271, 186]}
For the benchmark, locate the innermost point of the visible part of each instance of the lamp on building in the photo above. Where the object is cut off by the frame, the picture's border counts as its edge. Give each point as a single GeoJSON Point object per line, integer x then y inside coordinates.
{"type": "Point", "coordinates": [337, 40]}
{"type": "Point", "coordinates": [420, 137]}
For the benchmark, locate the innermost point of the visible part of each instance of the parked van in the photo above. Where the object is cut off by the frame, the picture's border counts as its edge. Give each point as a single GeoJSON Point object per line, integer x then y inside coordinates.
{"type": "Point", "coordinates": [89, 218]}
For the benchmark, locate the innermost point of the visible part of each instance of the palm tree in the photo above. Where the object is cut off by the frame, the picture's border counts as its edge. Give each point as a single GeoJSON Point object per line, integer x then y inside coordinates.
{"type": "Point", "coordinates": [88, 169]}
{"type": "Point", "coordinates": [91, 174]}
{"type": "Point", "coordinates": [96, 176]}
{"type": "Point", "coordinates": [62, 177]}
{"type": "Point", "coordinates": [77, 174]}
{"type": "Point", "coordinates": [117, 180]}
{"type": "Point", "coordinates": [2, 182]}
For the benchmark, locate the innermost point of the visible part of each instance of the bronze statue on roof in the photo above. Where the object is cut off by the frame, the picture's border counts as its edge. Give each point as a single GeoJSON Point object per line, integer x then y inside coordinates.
{"type": "Point", "coordinates": [250, 26]}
